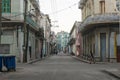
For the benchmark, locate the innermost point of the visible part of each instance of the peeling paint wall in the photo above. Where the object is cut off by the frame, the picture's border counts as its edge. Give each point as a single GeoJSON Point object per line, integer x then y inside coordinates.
{"type": "Point", "coordinates": [92, 7]}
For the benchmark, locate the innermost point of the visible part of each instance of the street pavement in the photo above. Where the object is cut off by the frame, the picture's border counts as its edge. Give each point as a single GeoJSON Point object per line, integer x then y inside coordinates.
{"type": "Point", "coordinates": [61, 67]}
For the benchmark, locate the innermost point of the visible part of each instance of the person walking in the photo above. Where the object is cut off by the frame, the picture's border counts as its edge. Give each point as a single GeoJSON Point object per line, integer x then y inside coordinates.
{"type": "Point", "coordinates": [92, 58]}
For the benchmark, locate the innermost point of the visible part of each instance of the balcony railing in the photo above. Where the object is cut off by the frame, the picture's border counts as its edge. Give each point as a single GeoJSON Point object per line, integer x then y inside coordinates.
{"type": "Point", "coordinates": [100, 18]}
{"type": "Point", "coordinates": [19, 17]}
{"type": "Point", "coordinates": [31, 22]}
{"type": "Point", "coordinates": [13, 16]}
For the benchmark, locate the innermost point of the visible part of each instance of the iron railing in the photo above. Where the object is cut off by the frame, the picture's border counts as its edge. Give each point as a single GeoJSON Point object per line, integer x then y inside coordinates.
{"type": "Point", "coordinates": [19, 17]}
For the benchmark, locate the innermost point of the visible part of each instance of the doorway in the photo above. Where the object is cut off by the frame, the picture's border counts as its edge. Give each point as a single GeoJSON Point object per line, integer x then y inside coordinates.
{"type": "Point", "coordinates": [103, 46]}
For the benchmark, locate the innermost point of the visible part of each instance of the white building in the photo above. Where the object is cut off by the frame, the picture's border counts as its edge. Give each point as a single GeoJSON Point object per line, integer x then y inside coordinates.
{"type": "Point", "coordinates": [46, 24]}
{"type": "Point", "coordinates": [18, 36]}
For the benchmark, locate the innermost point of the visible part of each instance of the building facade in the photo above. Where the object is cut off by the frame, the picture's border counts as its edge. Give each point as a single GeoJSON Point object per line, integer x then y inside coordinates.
{"type": "Point", "coordinates": [53, 43]}
{"type": "Point", "coordinates": [78, 41]}
{"type": "Point", "coordinates": [22, 35]}
{"type": "Point", "coordinates": [62, 40]}
{"type": "Point", "coordinates": [74, 39]}
{"type": "Point", "coordinates": [100, 29]}
{"type": "Point", "coordinates": [45, 22]}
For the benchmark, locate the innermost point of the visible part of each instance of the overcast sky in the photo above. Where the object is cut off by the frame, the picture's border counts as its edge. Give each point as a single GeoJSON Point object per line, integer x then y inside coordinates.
{"type": "Point", "coordinates": [62, 12]}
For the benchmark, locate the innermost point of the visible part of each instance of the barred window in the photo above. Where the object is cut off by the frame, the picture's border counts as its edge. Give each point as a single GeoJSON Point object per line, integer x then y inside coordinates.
{"type": "Point", "coordinates": [6, 6]}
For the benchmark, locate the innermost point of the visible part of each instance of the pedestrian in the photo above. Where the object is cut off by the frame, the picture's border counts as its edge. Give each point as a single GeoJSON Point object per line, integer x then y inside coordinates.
{"type": "Point", "coordinates": [92, 58]}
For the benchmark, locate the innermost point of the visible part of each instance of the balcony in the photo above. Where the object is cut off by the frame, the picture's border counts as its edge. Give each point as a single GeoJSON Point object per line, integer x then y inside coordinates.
{"type": "Point", "coordinates": [18, 17]}
{"type": "Point", "coordinates": [99, 19]}
{"type": "Point", "coordinates": [12, 16]}
{"type": "Point", "coordinates": [31, 22]}
{"type": "Point", "coordinates": [71, 41]}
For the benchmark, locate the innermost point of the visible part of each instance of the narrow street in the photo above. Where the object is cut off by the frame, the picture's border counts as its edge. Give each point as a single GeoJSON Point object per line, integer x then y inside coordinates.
{"type": "Point", "coordinates": [59, 67]}
{"type": "Point", "coordinates": [33, 31]}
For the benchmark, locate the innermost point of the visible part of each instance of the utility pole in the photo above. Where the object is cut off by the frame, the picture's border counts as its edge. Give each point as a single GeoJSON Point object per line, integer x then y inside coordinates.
{"type": "Point", "coordinates": [25, 32]}
{"type": "Point", "coordinates": [0, 19]}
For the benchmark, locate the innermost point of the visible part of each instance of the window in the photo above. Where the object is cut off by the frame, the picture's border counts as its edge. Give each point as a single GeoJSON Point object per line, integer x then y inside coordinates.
{"type": "Point", "coordinates": [6, 6]}
{"type": "Point", "coordinates": [102, 6]}
{"type": "Point", "coordinates": [118, 5]}
{"type": "Point", "coordinates": [4, 48]}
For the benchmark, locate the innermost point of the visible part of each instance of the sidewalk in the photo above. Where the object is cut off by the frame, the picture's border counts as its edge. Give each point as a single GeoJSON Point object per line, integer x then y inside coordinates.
{"type": "Point", "coordinates": [80, 59]}
{"type": "Point", "coordinates": [112, 72]}
{"type": "Point", "coordinates": [33, 61]}
{"type": "Point", "coordinates": [36, 60]}
{"type": "Point", "coordinates": [86, 61]}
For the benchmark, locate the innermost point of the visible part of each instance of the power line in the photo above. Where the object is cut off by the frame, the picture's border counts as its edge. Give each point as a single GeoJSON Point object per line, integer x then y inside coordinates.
{"type": "Point", "coordinates": [17, 15]}
{"type": "Point", "coordinates": [64, 9]}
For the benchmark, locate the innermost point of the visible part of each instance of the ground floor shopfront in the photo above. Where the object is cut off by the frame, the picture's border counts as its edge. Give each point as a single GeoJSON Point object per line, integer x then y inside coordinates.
{"type": "Point", "coordinates": [12, 42]}
{"type": "Point", "coordinates": [102, 40]}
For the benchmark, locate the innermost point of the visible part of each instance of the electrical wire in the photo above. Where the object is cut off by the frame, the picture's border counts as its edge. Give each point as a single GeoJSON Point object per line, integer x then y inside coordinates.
{"type": "Point", "coordinates": [17, 15]}
{"type": "Point", "coordinates": [63, 9]}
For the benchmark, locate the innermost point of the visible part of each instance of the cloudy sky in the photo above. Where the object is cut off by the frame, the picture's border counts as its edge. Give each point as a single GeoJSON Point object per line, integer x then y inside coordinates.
{"type": "Point", "coordinates": [63, 13]}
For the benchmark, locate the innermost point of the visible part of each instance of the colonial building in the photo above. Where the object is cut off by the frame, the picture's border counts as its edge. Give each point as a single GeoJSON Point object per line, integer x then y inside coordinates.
{"type": "Point", "coordinates": [62, 40]}
{"type": "Point", "coordinates": [45, 22]}
{"type": "Point", "coordinates": [22, 35]}
{"type": "Point", "coordinates": [100, 28]}
{"type": "Point", "coordinates": [78, 41]}
{"type": "Point", "coordinates": [74, 39]}
{"type": "Point", "coordinates": [53, 44]}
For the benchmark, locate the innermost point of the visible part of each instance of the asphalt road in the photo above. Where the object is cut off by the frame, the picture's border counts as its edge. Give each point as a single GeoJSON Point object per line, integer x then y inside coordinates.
{"type": "Point", "coordinates": [59, 67]}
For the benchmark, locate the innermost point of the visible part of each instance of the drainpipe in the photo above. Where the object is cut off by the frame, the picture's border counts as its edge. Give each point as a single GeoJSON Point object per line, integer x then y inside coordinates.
{"type": "Point", "coordinates": [109, 45]}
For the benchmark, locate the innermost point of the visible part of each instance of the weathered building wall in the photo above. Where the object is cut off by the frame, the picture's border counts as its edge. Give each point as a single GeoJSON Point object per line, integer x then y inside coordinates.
{"type": "Point", "coordinates": [100, 28]}
{"type": "Point", "coordinates": [13, 33]}
{"type": "Point", "coordinates": [110, 6]}
{"type": "Point", "coordinates": [45, 22]}
{"type": "Point", "coordinates": [94, 7]}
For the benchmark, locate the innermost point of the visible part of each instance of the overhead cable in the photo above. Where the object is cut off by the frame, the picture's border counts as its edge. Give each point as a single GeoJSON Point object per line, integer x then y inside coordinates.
{"type": "Point", "coordinates": [64, 9]}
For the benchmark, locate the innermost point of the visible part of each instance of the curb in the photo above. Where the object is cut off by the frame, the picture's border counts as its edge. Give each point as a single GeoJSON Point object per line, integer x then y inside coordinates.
{"type": "Point", "coordinates": [36, 60]}
{"type": "Point", "coordinates": [111, 74]}
{"type": "Point", "coordinates": [85, 61]}
{"type": "Point", "coordinates": [33, 61]}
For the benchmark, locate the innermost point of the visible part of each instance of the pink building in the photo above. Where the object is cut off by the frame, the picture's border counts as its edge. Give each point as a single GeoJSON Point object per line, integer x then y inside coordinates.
{"type": "Point", "coordinates": [78, 42]}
